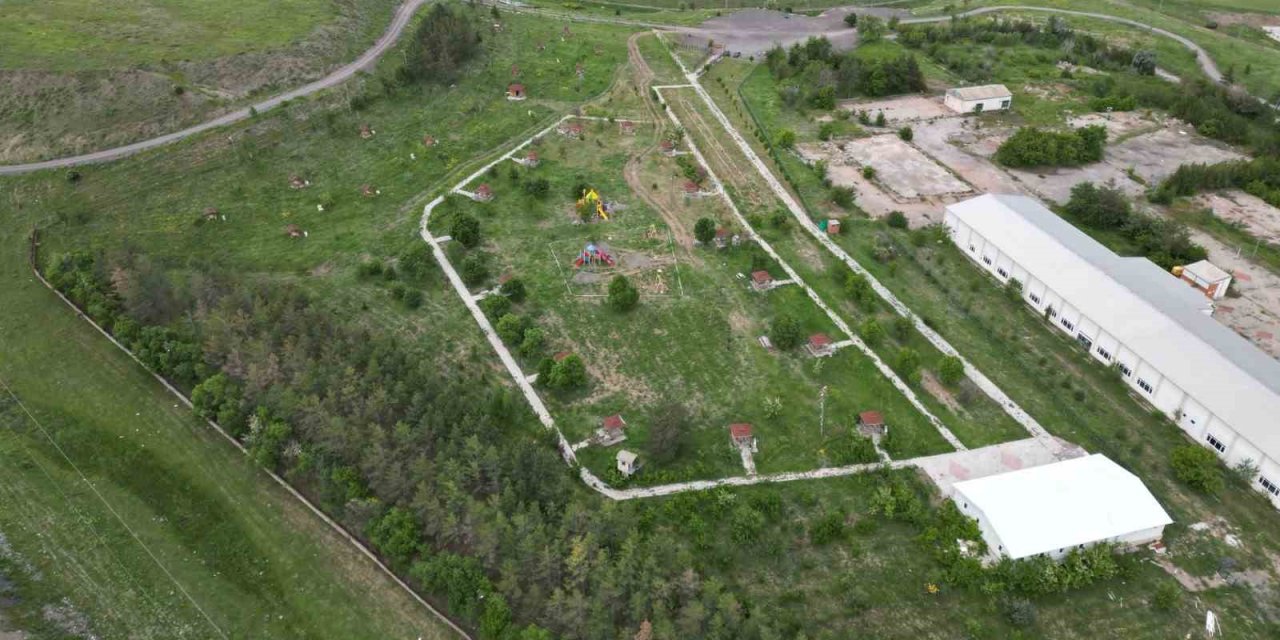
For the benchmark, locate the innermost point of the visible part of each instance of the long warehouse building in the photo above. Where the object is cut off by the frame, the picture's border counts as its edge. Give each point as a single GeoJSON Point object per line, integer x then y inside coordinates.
{"type": "Point", "coordinates": [1129, 313]}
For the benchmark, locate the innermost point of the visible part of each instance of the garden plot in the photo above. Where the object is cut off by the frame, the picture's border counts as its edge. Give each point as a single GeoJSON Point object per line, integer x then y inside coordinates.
{"type": "Point", "coordinates": [694, 338]}
{"type": "Point", "coordinates": [903, 170]}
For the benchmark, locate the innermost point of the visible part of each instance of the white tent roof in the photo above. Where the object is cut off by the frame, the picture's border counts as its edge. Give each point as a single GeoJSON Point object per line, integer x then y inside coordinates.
{"type": "Point", "coordinates": [1152, 313]}
{"type": "Point", "coordinates": [1206, 271]}
{"type": "Point", "coordinates": [1061, 505]}
{"type": "Point", "coordinates": [982, 92]}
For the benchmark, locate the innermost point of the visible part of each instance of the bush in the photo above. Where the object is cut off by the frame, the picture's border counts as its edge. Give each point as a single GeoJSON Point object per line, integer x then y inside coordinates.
{"type": "Point", "coordinates": [842, 197]}
{"type": "Point", "coordinates": [1197, 467]}
{"type": "Point", "coordinates": [412, 298]}
{"type": "Point", "coordinates": [851, 20]}
{"type": "Point", "coordinates": [511, 329]}
{"type": "Point", "coordinates": [537, 187]}
{"type": "Point", "coordinates": [907, 363]}
{"type": "Point", "coordinates": [532, 343]}
{"type": "Point", "coordinates": [569, 373]}
{"type": "Point", "coordinates": [897, 220]}
{"type": "Point", "coordinates": [785, 332]}
{"type": "Point", "coordinates": [623, 296]}
{"type": "Point", "coordinates": [906, 133]}
{"type": "Point", "coordinates": [858, 288]}
{"type": "Point", "coordinates": [1166, 597]}
{"type": "Point", "coordinates": [1019, 612]}
{"type": "Point", "coordinates": [416, 261]}
{"type": "Point", "coordinates": [828, 528]}
{"type": "Point", "coordinates": [786, 139]}
{"type": "Point", "coordinates": [869, 172]}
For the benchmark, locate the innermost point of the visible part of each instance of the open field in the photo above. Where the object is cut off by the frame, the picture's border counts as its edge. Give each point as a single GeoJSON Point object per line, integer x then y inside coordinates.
{"type": "Point", "coordinates": [80, 76]}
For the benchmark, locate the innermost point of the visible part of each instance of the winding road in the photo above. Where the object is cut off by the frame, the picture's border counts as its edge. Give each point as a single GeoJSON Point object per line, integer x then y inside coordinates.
{"type": "Point", "coordinates": [405, 13]}
{"type": "Point", "coordinates": [340, 75]}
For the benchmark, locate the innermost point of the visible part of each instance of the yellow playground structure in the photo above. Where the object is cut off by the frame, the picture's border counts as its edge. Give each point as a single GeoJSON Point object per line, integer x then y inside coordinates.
{"type": "Point", "coordinates": [592, 199]}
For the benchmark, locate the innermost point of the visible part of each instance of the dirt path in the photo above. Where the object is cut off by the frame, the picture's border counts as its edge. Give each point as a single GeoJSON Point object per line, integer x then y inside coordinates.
{"type": "Point", "coordinates": [631, 171]}
{"type": "Point", "coordinates": [342, 74]}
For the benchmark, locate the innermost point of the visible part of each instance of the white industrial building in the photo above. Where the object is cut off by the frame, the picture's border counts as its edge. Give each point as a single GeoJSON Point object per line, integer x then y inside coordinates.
{"type": "Point", "coordinates": [988, 97]}
{"type": "Point", "coordinates": [1053, 509]}
{"type": "Point", "coordinates": [1128, 313]}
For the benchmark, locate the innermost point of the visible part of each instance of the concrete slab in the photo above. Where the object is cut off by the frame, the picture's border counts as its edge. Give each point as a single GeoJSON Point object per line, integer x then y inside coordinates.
{"type": "Point", "coordinates": [949, 468]}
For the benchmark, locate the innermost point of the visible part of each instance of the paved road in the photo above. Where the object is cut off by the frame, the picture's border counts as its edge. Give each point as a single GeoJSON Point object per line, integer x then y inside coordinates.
{"type": "Point", "coordinates": [1206, 63]}
{"type": "Point", "coordinates": [366, 60]}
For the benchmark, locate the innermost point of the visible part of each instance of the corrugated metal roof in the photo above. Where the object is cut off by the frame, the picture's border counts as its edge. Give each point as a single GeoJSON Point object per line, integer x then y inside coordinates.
{"type": "Point", "coordinates": [1153, 313]}
{"type": "Point", "coordinates": [1061, 505]}
{"type": "Point", "coordinates": [982, 92]}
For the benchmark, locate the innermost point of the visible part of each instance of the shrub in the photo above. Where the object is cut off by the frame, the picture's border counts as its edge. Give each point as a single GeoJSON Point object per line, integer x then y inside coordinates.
{"type": "Point", "coordinates": [851, 20]}
{"type": "Point", "coordinates": [623, 296]}
{"type": "Point", "coordinates": [510, 328]}
{"type": "Point", "coordinates": [1197, 467]}
{"type": "Point", "coordinates": [786, 139]}
{"type": "Point", "coordinates": [537, 187]}
{"type": "Point", "coordinates": [842, 197]}
{"type": "Point", "coordinates": [569, 373]}
{"type": "Point", "coordinates": [951, 371]}
{"type": "Point", "coordinates": [828, 528]}
{"type": "Point", "coordinates": [779, 218]}
{"type": "Point", "coordinates": [495, 306]}
{"type": "Point", "coordinates": [395, 535]}
{"type": "Point", "coordinates": [1019, 612]}
{"type": "Point", "coordinates": [880, 119]}
{"type": "Point", "coordinates": [412, 298]}
{"type": "Point", "coordinates": [897, 220]}
{"type": "Point", "coordinates": [416, 261]}
{"type": "Point", "coordinates": [1166, 597]}
{"type": "Point", "coordinates": [532, 343]}
{"type": "Point", "coordinates": [907, 364]}
{"type": "Point", "coordinates": [869, 172]}
{"type": "Point", "coordinates": [858, 288]}
{"type": "Point", "coordinates": [906, 133]}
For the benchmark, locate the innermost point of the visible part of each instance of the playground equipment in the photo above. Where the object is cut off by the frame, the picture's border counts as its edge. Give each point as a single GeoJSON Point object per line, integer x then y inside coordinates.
{"type": "Point", "coordinates": [592, 199]}
{"type": "Point", "coordinates": [594, 255]}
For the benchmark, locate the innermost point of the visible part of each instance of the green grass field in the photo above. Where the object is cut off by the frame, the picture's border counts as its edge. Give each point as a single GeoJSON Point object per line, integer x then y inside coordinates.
{"type": "Point", "coordinates": [65, 35]}
{"type": "Point", "coordinates": [698, 319]}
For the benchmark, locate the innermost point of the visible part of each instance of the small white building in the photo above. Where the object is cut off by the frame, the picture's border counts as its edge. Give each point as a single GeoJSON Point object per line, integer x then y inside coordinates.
{"type": "Point", "coordinates": [1206, 277]}
{"type": "Point", "coordinates": [628, 463]}
{"type": "Point", "coordinates": [1052, 509]}
{"type": "Point", "coordinates": [988, 97]}
{"type": "Point", "coordinates": [1128, 313]}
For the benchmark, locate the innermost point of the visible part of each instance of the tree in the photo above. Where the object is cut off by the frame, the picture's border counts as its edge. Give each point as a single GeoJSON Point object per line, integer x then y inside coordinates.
{"type": "Point", "coordinates": [785, 332]}
{"type": "Point", "coordinates": [786, 138]}
{"type": "Point", "coordinates": [870, 29]}
{"type": "Point", "coordinates": [513, 289]}
{"type": "Point", "coordinates": [1144, 62]}
{"type": "Point", "coordinates": [704, 230]}
{"type": "Point", "coordinates": [416, 261]}
{"type": "Point", "coordinates": [444, 41]}
{"type": "Point", "coordinates": [623, 296]}
{"type": "Point", "coordinates": [871, 331]}
{"type": "Point", "coordinates": [496, 616]}
{"type": "Point", "coordinates": [907, 363]}
{"type": "Point", "coordinates": [474, 269]}
{"type": "Point", "coordinates": [1099, 207]}
{"type": "Point", "coordinates": [851, 20]}
{"type": "Point", "coordinates": [466, 230]}
{"type": "Point", "coordinates": [511, 329]}
{"type": "Point", "coordinates": [951, 371]}
{"type": "Point", "coordinates": [396, 535]}
{"type": "Point", "coordinates": [668, 432]}
{"type": "Point", "coordinates": [534, 339]}
{"type": "Point", "coordinates": [1197, 467]}
{"type": "Point", "coordinates": [858, 288]}
{"type": "Point", "coordinates": [569, 373]}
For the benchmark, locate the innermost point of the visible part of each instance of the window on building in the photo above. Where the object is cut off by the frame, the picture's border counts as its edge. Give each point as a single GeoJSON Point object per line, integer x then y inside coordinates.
{"type": "Point", "coordinates": [1106, 355]}
{"type": "Point", "coordinates": [1128, 373]}
{"type": "Point", "coordinates": [1216, 443]}
{"type": "Point", "coordinates": [986, 259]}
{"type": "Point", "coordinates": [972, 249]}
{"type": "Point", "coordinates": [1084, 340]}
{"type": "Point", "coordinates": [1053, 313]}
{"type": "Point", "coordinates": [1002, 272]}
{"type": "Point", "coordinates": [1145, 386]}
{"type": "Point", "coordinates": [1004, 104]}
{"type": "Point", "coordinates": [1067, 323]}
{"type": "Point", "coordinates": [1034, 298]}
{"type": "Point", "coordinates": [1269, 486]}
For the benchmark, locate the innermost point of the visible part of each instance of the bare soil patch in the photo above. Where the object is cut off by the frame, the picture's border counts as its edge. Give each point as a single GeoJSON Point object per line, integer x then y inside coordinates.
{"type": "Point", "coordinates": [904, 171]}
{"type": "Point", "coordinates": [1261, 219]}
{"type": "Point", "coordinates": [905, 109]}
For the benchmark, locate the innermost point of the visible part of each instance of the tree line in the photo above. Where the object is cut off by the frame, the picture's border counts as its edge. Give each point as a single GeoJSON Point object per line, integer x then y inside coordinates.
{"type": "Point", "coordinates": [813, 74]}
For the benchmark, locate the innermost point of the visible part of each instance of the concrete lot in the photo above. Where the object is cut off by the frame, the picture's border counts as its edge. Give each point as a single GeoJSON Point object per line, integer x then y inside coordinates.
{"type": "Point", "coordinates": [901, 169]}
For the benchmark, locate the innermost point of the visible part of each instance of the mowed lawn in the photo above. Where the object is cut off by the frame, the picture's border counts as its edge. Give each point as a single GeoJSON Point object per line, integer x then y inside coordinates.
{"type": "Point", "coordinates": [69, 35]}
{"type": "Point", "coordinates": [693, 340]}
{"type": "Point", "coordinates": [146, 520]}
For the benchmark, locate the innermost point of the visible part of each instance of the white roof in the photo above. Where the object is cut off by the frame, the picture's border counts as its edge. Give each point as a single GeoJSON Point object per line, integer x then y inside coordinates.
{"type": "Point", "coordinates": [1157, 316]}
{"type": "Point", "coordinates": [1061, 505]}
{"type": "Point", "coordinates": [626, 457]}
{"type": "Point", "coordinates": [1207, 271]}
{"type": "Point", "coordinates": [982, 92]}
